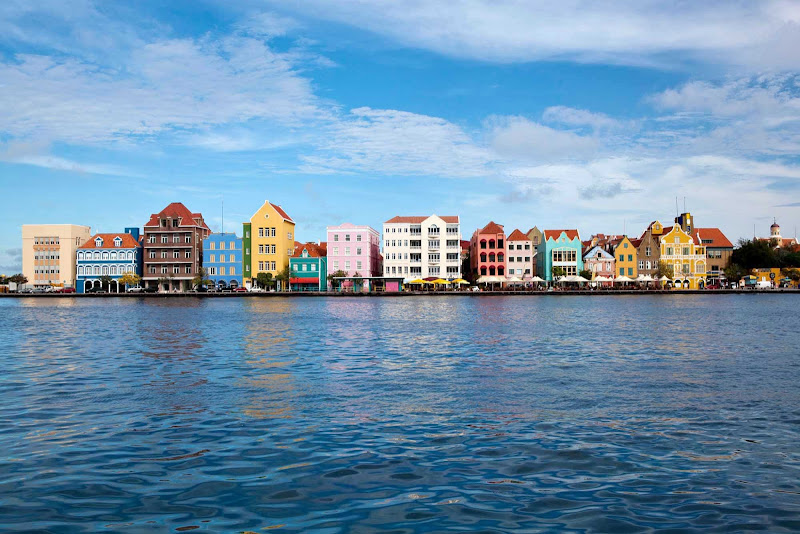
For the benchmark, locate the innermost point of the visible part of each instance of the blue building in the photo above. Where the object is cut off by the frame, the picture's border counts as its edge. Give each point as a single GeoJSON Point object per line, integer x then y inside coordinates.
{"type": "Point", "coordinates": [110, 255]}
{"type": "Point", "coordinates": [559, 248]}
{"type": "Point", "coordinates": [223, 259]}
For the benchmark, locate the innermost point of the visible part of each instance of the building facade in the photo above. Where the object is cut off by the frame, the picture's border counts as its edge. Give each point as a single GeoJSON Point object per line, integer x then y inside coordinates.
{"type": "Point", "coordinates": [648, 249]}
{"type": "Point", "coordinates": [521, 256]}
{"type": "Point", "coordinates": [777, 239]}
{"type": "Point", "coordinates": [687, 258]}
{"type": "Point", "coordinates": [537, 242]}
{"type": "Point", "coordinates": [355, 250]}
{"type": "Point", "coordinates": [222, 260]}
{"type": "Point", "coordinates": [599, 262]}
{"type": "Point", "coordinates": [108, 255]}
{"type": "Point", "coordinates": [719, 250]}
{"type": "Point", "coordinates": [626, 258]}
{"type": "Point", "coordinates": [309, 267]}
{"type": "Point", "coordinates": [268, 242]}
{"type": "Point", "coordinates": [560, 248]}
{"type": "Point", "coordinates": [173, 248]}
{"type": "Point", "coordinates": [422, 247]}
{"type": "Point", "coordinates": [49, 251]}
{"type": "Point", "coordinates": [487, 250]}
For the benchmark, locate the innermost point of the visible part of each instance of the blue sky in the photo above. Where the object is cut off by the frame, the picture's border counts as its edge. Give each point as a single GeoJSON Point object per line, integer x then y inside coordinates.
{"type": "Point", "coordinates": [593, 115]}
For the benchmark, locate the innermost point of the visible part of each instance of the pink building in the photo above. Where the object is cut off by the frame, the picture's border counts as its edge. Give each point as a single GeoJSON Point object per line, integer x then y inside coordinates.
{"type": "Point", "coordinates": [487, 250]}
{"type": "Point", "coordinates": [354, 250]}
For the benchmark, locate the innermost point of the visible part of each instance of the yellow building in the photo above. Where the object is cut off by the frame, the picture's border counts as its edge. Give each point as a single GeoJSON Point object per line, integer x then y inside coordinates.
{"type": "Point", "coordinates": [687, 258]}
{"type": "Point", "coordinates": [268, 241]}
{"type": "Point", "coordinates": [625, 258]}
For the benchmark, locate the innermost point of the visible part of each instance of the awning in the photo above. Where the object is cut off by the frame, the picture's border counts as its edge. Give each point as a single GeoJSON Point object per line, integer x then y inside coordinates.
{"type": "Point", "coordinates": [304, 280]}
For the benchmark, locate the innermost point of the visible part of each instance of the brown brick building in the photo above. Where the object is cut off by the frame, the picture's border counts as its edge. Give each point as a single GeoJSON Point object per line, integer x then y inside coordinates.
{"type": "Point", "coordinates": [173, 248]}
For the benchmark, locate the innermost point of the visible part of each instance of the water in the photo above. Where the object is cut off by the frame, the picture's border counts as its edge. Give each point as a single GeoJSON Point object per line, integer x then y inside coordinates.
{"type": "Point", "coordinates": [571, 414]}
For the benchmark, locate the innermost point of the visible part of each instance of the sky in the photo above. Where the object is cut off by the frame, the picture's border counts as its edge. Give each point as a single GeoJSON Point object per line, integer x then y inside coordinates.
{"type": "Point", "coordinates": [601, 115]}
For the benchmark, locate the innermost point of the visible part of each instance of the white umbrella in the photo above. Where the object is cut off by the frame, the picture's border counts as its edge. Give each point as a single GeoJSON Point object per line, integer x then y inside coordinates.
{"type": "Point", "coordinates": [621, 279]}
{"type": "Point", "coordinates": [644, 278]}
{"type": "Point", "coordinates": [573, 278]}
{"type": "Point", "coordinates": [602, 278]}
{"type": "Point", "coordinates": [537, 279]}
{"type": "Point", "coordinates": [514, 279]}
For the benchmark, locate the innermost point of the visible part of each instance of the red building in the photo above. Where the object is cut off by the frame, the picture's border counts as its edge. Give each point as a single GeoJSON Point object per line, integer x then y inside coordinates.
{"type": "Point", "coordinates": [487, 251]}
{"type": "Point", "coordinates": [173, 248]}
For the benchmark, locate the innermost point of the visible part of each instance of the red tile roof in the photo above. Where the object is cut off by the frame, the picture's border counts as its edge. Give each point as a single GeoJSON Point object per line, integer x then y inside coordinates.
{"type": "Point", "coordinates": [715, 235]}
{"type": "Point", "coordinates": [416, 220]}
{"type": "Point", "coordinates": [635, 242]}
{"type": "Point", "coordinates": [492, 228]}
{"type": "Point", "coordinates": [108, 241]}
{"type": "Point", "coordinates": [554, 234]}
{"type": "Point", "coordinates": [176, 210]}
{"type": "Point", "coordinates": [516, 235]}
{"type": "Point", "coordinates": [314, 250]}
{"type": "Point", "coordinates": [464, 244]}
{"type": "Point", "coordinates": [281, 212]}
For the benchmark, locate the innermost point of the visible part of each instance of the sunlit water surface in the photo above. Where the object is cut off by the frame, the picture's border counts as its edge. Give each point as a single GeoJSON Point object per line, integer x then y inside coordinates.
{"type": "Point", "coordinates": [571, 414]}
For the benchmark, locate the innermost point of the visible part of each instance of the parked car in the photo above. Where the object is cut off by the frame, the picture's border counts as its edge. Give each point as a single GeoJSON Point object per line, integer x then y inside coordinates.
{"type": "Point", "coordinates": [200, 290]}
{"type": "Point", "coordinates": [135, 289]}
{"type": "Point", "coordinates": [65, 290]}
{"type": "Point", "coordinates": [151, 289]}
{"type": "Point", "coordinates": [26, 290]}
{"type": "Point", "coordinates": [763, 284]}
{"type": "Point", "coordinates": [97, 290]}
{"type": "Point", "coordinates": [713, 286]}
{"type": "Point", "coordinates": [40, 290]}
{"type": "Point", "coordinates": [254, 289]}
{"type": "Point", "coordinates": [240, 290]}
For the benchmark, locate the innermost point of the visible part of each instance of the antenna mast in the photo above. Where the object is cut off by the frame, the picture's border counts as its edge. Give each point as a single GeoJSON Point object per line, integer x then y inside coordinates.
{"type": "Point", "coordinates": [223, 214]}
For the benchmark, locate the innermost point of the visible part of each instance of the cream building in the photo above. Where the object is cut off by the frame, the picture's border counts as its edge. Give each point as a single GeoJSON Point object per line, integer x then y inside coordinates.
{"type": "Point", "coordinates": [422, 247]}
{"type": "Point", "coordinates": [49, 252]}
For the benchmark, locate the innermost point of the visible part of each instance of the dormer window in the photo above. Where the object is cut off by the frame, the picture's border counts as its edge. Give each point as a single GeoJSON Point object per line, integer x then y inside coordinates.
{"type": "Point", "coordinates": [98, 242]}
{"type": "Point", "coordinates": [117, 242]}
{"type": "Point", "coordinates": [305, 254]}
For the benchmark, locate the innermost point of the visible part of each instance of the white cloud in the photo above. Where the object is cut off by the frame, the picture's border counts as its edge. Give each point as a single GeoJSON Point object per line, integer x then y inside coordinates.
{"type": "Point", "coordinates": [518, 137]}
{"type": "Point", "coordinates": [638, 32]}
{"type": "Point", "coordinates": [581, 117]}
{"type": "Point", "coordinates": [392, 142]}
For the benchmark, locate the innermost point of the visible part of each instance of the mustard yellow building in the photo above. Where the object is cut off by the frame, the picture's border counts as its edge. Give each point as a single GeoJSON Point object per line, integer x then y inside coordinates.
{"type": "Point", "coordinates": [688, 259]}
{"type": "Point", "coordinates": [268, 242]}
{"type": "Point", "coordinates": [626, 258]}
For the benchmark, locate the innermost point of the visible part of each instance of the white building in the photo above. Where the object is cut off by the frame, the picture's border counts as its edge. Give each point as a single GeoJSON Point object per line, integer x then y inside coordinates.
{"type": "Point", "coordinates": [422, 247]}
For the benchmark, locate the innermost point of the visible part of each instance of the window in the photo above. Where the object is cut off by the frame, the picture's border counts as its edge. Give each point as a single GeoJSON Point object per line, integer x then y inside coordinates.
{"type": "Point", "coordinates": [641, 264]}
{"type": "Point", "coordinates": [231, 258]}
{"type": "Point", "coordinates": [669, 251]}
{"type": "Point", "coordinates": [685, 251]}
{"type": "Point", "coordinates": [211, 245]}
{"type": "Point", "coordinates": [346, 251]}
{"type": "Point", "coordinates": [347, 237]}
{"type": "Point", "coordinates": [152, 254]}
{"type": "Point", "coordinates": [247, 234]}
{"type": "Point", "coordinates": [222, 245]}
{"type": "Point", "coordinates": [164, 239]}
{"type": "Point", "coordinates": [222, 271]}
{"type": "Point", "coordinates": [630, 257]}
{"type": "Point", "coordinates": [335, 251]}
{"type": "Point", "coordinates": [163, 254]}
{"type": "Point", "coordinates": [630, 271]}
{"type": "Point", "coordinates": [358, 237]}
{"type": "Point", "coordinates": [358, 251]}
{"type": "Point", "coordinates": [176, 254]}
{"type": "Point", "coordinates": [260, 232]}
{"type": "Point", "coordinates": [212, 271]}
{"type": "Point", "coordinates": [151, 239]}
{"type": "Point", "coordinates": [188, 269]}
{"type": "Point", "coordinates": [358, 265]}
{"type": "Point", "coordinates": [336, 266]}
{"type": "Point", "coordinates": [622, 271]}
{"type": "Point", "coordinates": [176, 269]}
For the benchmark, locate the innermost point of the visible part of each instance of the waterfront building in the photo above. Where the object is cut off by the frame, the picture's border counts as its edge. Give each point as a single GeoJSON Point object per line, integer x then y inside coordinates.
{"type": "Point", "coordinates": [48, 253]}
{"type": "Point", "coordinates": [521, 256]}
{"type": "Point", "coordinates": [108, 255]}
{"type": "Point", "coordinates": [599, 261]}
{"type": "Point", "coordinates": [421, 247]}
{"type": "Point", "coordinates": [648, 249]}
{"type": "Point", "coordinates": [222, 260]}
{"type": "Point", "coordinates": [268, 240]}
{"type": "Point", "coordinates": [173, 248]}
{"type": "Point", "coordinates": [355, 250]}
{"type": "Point", "coordinates": [487, 250]}
{"type": "Point", "coordinates": [560, 248]}
{"type": "Point", "coordinates": [719, 250]}
{"type": "Point", "coordinates": [537, 242]}
{"type": "Point", "coordinates": [688, 258]}
{"type": "Point", "coordinates": [309, 267]}
{"type": "Point", "coordinates": [626, 258]}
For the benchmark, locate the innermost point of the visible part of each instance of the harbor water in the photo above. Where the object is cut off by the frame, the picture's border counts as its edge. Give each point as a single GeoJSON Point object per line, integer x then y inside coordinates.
{"type": "Point", "coordinates": [484, 414]}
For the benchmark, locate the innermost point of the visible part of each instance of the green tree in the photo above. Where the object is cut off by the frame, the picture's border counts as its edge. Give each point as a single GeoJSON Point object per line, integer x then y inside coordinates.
{"type": "Point", "coordinates": [265, 280]}
{"type": "Point", "coordinates": [105, 282]}
{"type": "Point", "coordinates": [665, 269]}
{"type": "Point", "coordinates": [733, 272]}
{"type": "Point", "coordinates": [284, 276]}
{"type": "Point", "coordinates": [558, 272]}
{"type": "Point", "coordinates": [201, 278]}
{"type": "Point", "coordinates": [19, 279]}
{"type": "Point", "coordinates": [755, 254]}
{"type": "Point", "coordinates": [130, 279]}
{"type": "Point", "coordinates": [3, 279]}
{"type": "Point", "coordinates": [336, 274]}
{"type": "Point", "coordinates": [586, 273]}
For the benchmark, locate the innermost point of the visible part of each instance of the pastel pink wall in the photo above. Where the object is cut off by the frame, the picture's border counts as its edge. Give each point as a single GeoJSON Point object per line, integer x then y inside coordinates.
{"type": "Point", "coordinates": [370, 246]}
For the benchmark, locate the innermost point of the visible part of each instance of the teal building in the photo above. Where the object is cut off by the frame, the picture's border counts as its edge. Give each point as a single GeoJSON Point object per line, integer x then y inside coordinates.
{"type": "Point", "coordinates": [559, 248]}
{"type": "Point", "coordinates": [309, 267]}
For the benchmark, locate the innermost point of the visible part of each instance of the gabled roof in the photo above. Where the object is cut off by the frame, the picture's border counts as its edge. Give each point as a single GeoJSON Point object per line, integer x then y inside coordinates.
{"type": "Point", "coordinates": [635, 242]}
{"type": "Point", "coordinates": [452, 219]}
{"type": "Point", "coordinates": [516, 235]}
{"type": "Point", "coordinates": [108, 241]}
{"type": "Point", "coordinates": [177, 210]}
{"type": "Point", "coordinates": [492, 228]}
{"type": "Point", "coordinates": [314, 250]}
{"type": "Point", "coordinates": [464, 244]}
{"type": "Point", "coordinates": [555, 234]}
{"type": "Point", "coordinates": [592, 252]}
{"type": "Point", "coordinates": [715, 235]}
{"type": "Point", "coordinates": [281, 212]}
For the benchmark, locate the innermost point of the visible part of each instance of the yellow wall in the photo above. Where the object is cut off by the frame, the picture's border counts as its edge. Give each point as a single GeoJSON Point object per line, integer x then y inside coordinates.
{"type": "Point", "coordinates": [267, 217]}
{"type": "Point", "coordinates": [673, 246]}
{"type": "Point", "coordinates": [621, 254]}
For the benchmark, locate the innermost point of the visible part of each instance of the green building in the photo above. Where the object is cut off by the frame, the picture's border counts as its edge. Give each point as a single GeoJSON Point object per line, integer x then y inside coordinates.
{"type": "Point", "coordinates": [309, 267]}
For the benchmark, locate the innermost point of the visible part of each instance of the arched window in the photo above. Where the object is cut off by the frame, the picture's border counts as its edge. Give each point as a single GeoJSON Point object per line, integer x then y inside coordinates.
{"type": "Point", "coordinates": [491, 243]}
{"type": "Point", "coordinates": [113, 269]}
{"type": "Point", "coordinates": [105, 269]}
{"type": "Point", "coordinates": [113, 254]}
{"type": "Point", "coordinates": [500, 257]}
{"type": "Point", "coordinates": [96, 269]}
{"type": "Point", "coordinates": [492, 271]}
{"type": "Point", "coordinates": [483, 271]}
{"type": "Point", "coordinates": [491, 256]}
{"type": "Point", "coordinates": [96, 255]}
{"type": "Point", "coordinates": [483, 257]}
{"type": "Point", "coordinates": [80, 255]}
{"type": "Point", "coordinates": [501, 270]}
{"type": "Point", "coordinates": [105, 255]}
{"type": "Point", "coordinates": [80, 269]}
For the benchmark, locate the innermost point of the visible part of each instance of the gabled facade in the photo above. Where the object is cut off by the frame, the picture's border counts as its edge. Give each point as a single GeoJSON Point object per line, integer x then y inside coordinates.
{"type": "Point", "coordinates": [688, 259]}
{"type": "Point", "coordinates": [309, 268]}
{"type": "Point", "coordinates": [173, 248]}
{"type": "Point", "coordinates": [356, 250]}
{"type": "Point", "coordinates": [648, 249]}
{"type": "Point", "coordinates": [537, 242]}
{"type": "Point", "coordinates": [421, 247]}
{"type": "Point", "coordinates": [223, 260]}
{"type": "Point", "coordinates": [626, 258]}
{"type": "Point", "coordinates": [487, 250]}
{"type": "Point", "coordinates": [521, 256]}
{"type": "Point", "coordinates": [562, 248]}
{"type": "Point", "coordinates": [110, 255]}
{"type": "Point", "coordinates": [599, 262]}
{"type": "Point", "coordinates": [268, 241]}
{"type": "Point", "coordinates": [719, 250]}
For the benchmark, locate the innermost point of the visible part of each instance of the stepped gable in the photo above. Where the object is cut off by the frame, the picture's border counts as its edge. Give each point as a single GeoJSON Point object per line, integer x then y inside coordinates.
{"type": "Point", "coordinates": [555, 234]}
